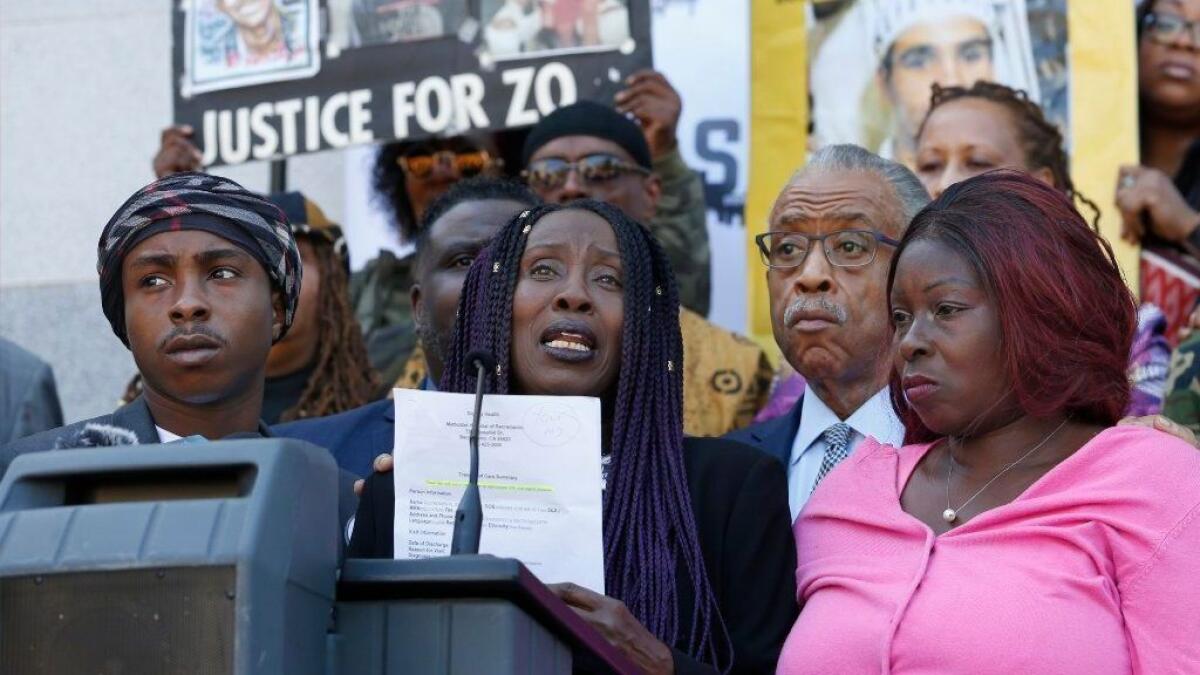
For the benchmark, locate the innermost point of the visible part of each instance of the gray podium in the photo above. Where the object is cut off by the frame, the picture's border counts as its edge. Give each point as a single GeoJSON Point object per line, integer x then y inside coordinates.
{"type": "Point", "coordinates": [222, 558]}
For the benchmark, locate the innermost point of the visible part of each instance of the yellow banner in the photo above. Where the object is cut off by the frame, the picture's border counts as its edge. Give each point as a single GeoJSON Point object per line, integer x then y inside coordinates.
{"type": "Point", "coordinates": [1085, 77]}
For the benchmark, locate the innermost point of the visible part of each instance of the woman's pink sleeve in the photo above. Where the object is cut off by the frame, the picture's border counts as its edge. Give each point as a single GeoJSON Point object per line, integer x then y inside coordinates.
{"type": "Point", "coordinates": [1161, 604]}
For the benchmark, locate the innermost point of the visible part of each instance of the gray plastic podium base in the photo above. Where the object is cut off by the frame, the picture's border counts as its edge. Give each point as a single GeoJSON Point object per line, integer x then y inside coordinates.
{"type": "Point", "coordinates": [459, 616]}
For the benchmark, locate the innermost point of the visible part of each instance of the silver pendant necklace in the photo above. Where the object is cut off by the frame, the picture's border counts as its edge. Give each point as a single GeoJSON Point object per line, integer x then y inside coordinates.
{"type": "Point", "coordinates": [951, 514]}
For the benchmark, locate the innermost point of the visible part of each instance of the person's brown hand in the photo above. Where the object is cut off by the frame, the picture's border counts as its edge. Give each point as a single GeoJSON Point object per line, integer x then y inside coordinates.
{"type": "Point", "coordinates": [617, 624]}
{"type": "Point", "coordinates": [1142, 190]}
{"type": "Point", "coordinates": [176, 152]}
{"type": "Point", "coordinates": [650, 98]}
{"type": "Point", "coordinates": [382, 464]}
{"type": "Point", "coordinates": [1164, 425]}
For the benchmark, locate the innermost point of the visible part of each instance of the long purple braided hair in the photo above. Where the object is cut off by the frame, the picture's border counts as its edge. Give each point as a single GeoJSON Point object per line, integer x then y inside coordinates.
{"type": "Point", "coordinates": [649, 526]}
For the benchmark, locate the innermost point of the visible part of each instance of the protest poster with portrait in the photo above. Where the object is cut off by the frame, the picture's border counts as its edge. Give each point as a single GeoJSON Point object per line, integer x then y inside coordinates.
{"type": "Point", "coordinates": [263, 79]}
{"type": "Point", "coordinates": [230, 44]}
{"type": "Point", "coordinates": [861, 71]}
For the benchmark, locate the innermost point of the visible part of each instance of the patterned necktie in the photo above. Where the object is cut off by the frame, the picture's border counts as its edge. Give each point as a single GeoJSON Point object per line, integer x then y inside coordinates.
{"type": "Point", "coordinates": [837, 438]}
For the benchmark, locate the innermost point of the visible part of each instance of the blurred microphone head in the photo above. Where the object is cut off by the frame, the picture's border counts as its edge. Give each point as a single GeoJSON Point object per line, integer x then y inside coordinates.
{"type": "Point", "coordinates": [481, 358]}
{"type": "Point", "coordinates": [94, 435]}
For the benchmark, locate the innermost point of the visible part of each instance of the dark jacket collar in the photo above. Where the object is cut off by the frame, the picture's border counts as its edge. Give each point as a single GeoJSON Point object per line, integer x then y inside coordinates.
{"type": "Point", "coordinates": [776, 436]}
{"type": "Point", "coordinates": [136, 417]}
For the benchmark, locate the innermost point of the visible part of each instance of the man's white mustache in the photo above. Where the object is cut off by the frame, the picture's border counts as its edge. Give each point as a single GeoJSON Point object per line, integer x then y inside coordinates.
{"type": "Point", "coordinates": [801, 305]}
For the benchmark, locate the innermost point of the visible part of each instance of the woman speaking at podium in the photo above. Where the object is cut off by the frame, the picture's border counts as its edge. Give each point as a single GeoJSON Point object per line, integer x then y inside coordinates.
{"type": "Point", "coordinates": [699, 561]}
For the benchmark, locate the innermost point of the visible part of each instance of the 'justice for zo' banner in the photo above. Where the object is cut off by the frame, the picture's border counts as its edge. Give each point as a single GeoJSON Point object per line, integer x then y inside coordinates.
{"type": "Point", "coordinates": [260, 79]}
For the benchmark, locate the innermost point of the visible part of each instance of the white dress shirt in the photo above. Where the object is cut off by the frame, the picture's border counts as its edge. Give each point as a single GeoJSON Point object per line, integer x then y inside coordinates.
{"type": "Point", "coordinates": [873, 418]}
{"type": "Point", "coordinates": [165, 436]}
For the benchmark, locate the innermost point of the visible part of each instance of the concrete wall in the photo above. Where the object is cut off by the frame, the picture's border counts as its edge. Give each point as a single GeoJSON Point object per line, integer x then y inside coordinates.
{"type": "Point", "coordinates": [85, 88]}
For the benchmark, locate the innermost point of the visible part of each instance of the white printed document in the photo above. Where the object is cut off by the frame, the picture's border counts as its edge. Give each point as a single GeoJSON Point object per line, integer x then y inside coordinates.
{"type": "Point", "coordinates": [539, 480]}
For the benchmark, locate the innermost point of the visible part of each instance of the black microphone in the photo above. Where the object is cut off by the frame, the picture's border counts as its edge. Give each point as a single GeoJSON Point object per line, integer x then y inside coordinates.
{"type": "Point", "coordinates": [468, 519]}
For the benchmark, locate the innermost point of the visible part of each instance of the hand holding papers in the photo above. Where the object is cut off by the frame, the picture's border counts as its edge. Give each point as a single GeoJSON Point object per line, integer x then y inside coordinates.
{"type": "Point", "coordinates": [539, 478]}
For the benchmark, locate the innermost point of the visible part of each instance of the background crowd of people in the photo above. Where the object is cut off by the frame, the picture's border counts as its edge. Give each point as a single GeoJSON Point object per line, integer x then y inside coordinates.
{"type": "Point", "coordinates": [964, 368]}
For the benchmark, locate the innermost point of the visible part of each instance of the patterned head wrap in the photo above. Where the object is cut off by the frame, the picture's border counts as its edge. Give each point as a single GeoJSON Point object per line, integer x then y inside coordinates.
{"type": "Point", "coordinates": [199, 201]}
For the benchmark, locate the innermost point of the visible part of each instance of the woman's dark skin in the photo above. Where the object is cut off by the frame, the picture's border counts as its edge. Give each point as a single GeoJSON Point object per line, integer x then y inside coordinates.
{"type": "Point", "coordinates": [569, 291]}
{"type": "Point", "coordinates": [1169, 88]}
{"type": "Point", "coordinates": [1169, 85]}
{"type": "Point", "coordinates": [948, 332]}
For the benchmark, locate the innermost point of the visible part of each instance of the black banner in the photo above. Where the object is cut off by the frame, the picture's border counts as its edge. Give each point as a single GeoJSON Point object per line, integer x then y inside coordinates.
{"type": "Point", "coordinates": [262, 79]}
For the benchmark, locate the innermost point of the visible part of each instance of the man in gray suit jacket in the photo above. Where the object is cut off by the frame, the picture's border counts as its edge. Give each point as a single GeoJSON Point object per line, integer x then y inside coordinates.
{"type": "Point", "coordinates": [28, 397]}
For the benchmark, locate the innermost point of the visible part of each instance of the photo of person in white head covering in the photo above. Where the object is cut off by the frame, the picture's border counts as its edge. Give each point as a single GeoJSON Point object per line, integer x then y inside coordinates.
{"type": "Point", "coordinates": [873, 63]}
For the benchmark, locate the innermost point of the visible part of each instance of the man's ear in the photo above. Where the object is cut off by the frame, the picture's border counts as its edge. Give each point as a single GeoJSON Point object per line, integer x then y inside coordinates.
{"type": "Point", "coordinates": [1045, 175]}
{"type": "Point", "coordinates": [278, 311]}
{"type": "Point", "coordinates": [653, 187]}
{"type": "Point", "coordinates": [418, 303]}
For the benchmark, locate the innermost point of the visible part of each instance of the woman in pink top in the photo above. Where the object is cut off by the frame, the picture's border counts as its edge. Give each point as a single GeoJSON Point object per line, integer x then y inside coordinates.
{"type": "Point", "coordinates": [1020, 531]}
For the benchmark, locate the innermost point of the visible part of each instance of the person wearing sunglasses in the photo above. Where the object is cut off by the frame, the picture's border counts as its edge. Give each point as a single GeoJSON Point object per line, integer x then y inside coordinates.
{"type": "Point", "coordinates": [408, 176]}
{"type": "Point", "coordinates": [590, 150]}
{"type": "Point", "coordinates": [1159, 200]}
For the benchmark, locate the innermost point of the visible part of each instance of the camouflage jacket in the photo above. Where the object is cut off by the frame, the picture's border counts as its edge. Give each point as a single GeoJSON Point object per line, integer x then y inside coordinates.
{"type": "Point", "coordinates": [379, 291]}
{"type": "Point", "coordinates": [379, 296]}
{"type": "Point", "coordinates": [1182, 400]}
{"type": "Point", "coordinates": [680, 225]}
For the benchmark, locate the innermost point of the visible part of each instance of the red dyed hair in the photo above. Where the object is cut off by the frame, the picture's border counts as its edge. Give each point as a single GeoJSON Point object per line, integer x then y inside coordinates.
{"type": "Point", "coordinates": [1067, 318]}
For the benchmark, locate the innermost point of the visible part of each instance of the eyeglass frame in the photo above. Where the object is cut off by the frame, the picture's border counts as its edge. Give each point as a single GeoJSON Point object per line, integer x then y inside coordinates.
{"type": "Point", "coordinates": [1190, 28]}
{"type": "Point", "coordinates": [621, 165]}
{"type": "Point", "coordinates": [489, 162]}
{"type": "Point", "coordinates": [764, 255]}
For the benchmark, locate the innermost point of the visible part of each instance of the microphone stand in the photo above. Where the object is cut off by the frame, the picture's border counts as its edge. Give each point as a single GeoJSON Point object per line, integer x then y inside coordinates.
{"type": "Point", "coordinates": [468, 519]}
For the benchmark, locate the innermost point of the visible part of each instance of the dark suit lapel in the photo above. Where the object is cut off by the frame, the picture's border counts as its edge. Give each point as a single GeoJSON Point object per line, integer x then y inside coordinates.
{"type": "Point", "coordinates": [135, 416]}
{"type": "Point", "coordinates": [777, 438]}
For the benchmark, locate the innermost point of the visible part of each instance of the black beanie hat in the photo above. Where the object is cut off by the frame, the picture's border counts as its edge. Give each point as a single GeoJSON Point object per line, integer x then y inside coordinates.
{"type": "Point", "coordinates": [588, 118]}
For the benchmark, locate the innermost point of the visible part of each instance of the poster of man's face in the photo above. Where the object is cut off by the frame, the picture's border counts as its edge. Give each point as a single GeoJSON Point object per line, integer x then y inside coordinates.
{"type": "Point", "coordinates": [234, 43]}
{"type": "Point", "coordinates": [519, 28]}
{"type": "Point", "coordinates": [873, 63]}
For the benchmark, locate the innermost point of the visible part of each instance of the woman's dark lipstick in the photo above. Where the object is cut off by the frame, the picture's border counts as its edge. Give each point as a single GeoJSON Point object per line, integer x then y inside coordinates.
{"type": "Point", "coordinates": [569, 341]}
{"type": "Point", "coordinates": [918, 387]}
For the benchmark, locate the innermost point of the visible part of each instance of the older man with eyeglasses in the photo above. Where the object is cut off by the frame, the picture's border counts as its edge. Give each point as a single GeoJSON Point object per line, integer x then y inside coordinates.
{"type": "Point", "coordinates": [830, 239]}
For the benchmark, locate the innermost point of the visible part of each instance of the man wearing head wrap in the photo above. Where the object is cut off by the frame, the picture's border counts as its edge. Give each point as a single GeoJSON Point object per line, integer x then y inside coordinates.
{"type": "Point", "coordinates": [590, 150]}
{"type": "Point", "coordinates": [198, 278]}
{"type": "Point", "coordinates": [320, 367]}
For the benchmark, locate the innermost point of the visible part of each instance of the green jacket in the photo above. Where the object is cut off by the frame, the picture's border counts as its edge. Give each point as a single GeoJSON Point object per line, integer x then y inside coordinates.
{"type": "Point", "coordinates": [1182, 400]}
{"type": "Point", "coordinates": [680, 224]}
{"type": "Point", "coordinates": [379, 292]}
{"type": "Point", "coordinates": [379, 296]}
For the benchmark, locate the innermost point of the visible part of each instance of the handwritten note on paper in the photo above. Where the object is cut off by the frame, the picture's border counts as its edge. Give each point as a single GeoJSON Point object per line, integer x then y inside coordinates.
{"type": "Point", "coordinates": [539, 480]}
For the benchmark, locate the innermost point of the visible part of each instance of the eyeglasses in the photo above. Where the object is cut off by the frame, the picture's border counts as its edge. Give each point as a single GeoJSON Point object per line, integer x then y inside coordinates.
{"type": "Point", "coordinates": [1165, 29]}
{"type": "Point", "coordinates": [552, 172]}
{"type": "Point", "coordinates": [847, 248]}
{"type": "Point", "coordinates": [462, 164]}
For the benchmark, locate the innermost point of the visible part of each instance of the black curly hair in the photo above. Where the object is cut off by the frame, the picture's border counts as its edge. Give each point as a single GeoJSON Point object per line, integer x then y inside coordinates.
{"type": "Point", "coordinates": [389, 181]}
